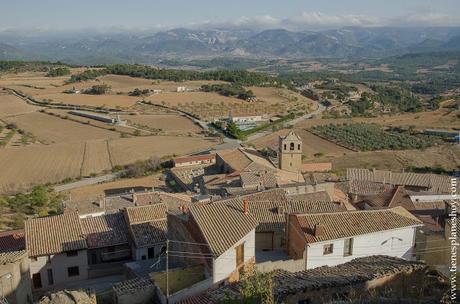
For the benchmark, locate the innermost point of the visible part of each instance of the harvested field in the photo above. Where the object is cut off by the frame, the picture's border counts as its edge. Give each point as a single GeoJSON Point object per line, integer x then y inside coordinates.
{"type": "Point", "coordinates": [196, 98]}
{"type": "Point", "coordinates": [122, 101]}
{"type": "Point", "coordinates": [96, 158]}
{"type": "Point", "coordinates": [23, 167]}
{"type": "Point", "coordinates": [127, 150]}
{"type": "Point", "coordinates": [50, 129]}
{"type": "Point", "coordinates": [11, 105]}
{"type": "Point", "coordinates": [166, 122]}
{"type": "Point", "coordinates": [442, 118]}
{"type": "Point", "coordinates": [445, 157]}
{"type": "Point", "coordinates": [312, 144]}
{"type": "Point", "coordinates": [93, 191]}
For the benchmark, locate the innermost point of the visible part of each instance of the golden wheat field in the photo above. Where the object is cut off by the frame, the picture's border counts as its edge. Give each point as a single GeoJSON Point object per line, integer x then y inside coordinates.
{"type": "Point", "coordinates": [49, 129]}
{"type": "Point", "coordinates": [11, 105]}
{"type": "Point", "coordinates": [23, 167]}
{"type": "Point", "coordinates": [96, 157]}
{"type": "Point", "coordinates": [108, 100]}
{"type": "Point", "coordinates": [127, 150]}
{"type": "Point", "coordinates": [165, 122]}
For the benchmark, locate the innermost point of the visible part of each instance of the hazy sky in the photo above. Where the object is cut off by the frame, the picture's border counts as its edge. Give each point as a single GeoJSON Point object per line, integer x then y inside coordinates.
{"type": "Point", "coordinates": [303, 14]}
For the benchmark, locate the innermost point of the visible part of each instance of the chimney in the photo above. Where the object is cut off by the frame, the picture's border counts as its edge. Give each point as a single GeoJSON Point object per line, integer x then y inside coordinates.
{"type": "Point", "coordinates": [245, 207]}
{"type": "Point", "coordinates": [318, 230]}
{"type": "Point", "coordinates": [183, 208]}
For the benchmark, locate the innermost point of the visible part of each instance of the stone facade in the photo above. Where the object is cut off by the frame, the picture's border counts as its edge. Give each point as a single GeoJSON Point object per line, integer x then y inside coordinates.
{"type": "Point", "coordinates": [290, 153]}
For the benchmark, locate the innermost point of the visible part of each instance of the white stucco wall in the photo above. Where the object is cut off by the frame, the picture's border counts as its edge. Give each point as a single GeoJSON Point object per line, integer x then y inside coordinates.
{"type": "Point", "coordinates": [225, 264]}
{"type": "Point", "coordinates": [59, 264]}
{"type": "Point", "coordinates": [397, 243]}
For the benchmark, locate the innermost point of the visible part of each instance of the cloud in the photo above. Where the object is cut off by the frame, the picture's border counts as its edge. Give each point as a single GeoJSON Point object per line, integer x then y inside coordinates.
{"type": "Point", "coordinates": [425, 19]}
{"type": "Point", "coordinates": [318, 21]}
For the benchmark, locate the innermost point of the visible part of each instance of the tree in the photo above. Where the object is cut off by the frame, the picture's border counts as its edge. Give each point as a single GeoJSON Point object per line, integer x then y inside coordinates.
{"type": "Point", "coordinates": [255, 288]}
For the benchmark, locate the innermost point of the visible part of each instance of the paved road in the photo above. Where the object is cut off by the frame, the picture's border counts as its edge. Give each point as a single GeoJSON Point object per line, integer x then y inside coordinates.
{"type": "Point", "coordinates": [87, 181]}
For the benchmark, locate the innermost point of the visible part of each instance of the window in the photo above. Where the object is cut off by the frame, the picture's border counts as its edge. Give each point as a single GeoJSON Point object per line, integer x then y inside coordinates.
{"type": "Point", "coordinates": [50, 276]}
{"type": "Point", "coordinates": [111, 249]}
{"type": "Point", "coordinates": [151, 253]}
{"type": "Point", "coordinates": [348, 247]}
{"type": "Point", "coordinates": [239, 255]}
{"type": "Point", "coordinates": [73, 271]}
{"type": "Point", "coordinates": [298, 146]}
{"type": "Point", "coordinates": [72, 253]}
{"type": "Point", "coordinates": [291, 147]}
{"type": "Point", "coordinates": [328, 249]}
{"type": "Point", "coordinates": [34, 259]}
{"type": "Point", "coordinates": [37, 280]}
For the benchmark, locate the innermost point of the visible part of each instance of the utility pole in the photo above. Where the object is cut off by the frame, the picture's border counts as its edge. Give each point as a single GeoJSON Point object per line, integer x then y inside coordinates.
{"type": "Point", "coordinates": [167, 270]}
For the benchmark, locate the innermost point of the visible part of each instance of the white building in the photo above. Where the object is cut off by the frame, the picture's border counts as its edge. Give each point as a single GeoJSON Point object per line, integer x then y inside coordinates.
{"type": "Point", "coordinates": [218, 236]}
{"type": "Point", "coordinates": [329, 239]}
{"type": "Point", "coordinates": [246, 119]}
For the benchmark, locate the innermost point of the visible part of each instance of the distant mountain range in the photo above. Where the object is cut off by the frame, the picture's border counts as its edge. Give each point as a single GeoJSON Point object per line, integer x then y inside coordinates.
{"type": "Point", "coordinates": [106, 48]}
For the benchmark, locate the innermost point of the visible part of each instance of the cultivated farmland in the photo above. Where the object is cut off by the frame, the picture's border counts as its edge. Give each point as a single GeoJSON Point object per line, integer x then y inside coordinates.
{"type": "Point", "coordinates": [50, 129]}
{"type": "Point", "coordinates": [11, 105]}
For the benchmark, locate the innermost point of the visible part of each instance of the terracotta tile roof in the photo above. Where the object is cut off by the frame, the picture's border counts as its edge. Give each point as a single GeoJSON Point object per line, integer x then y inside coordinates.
{"type": "Point", "coordinates": [222, 226]}
{"type": "Point", "coordinates": [276, 194]}
{"type": "Point", "coordinates": [12, 240]}
{"type": "Point", "coordinates": [361, 187]}
{"type": "Point", "coordinates": [143, 214]}
{"type": "Point", "coordinates": [433, 182]}
{"type": "Point", "coordinates": [265, 179]}
{"type": "Point", "coordinates": [347, 224]}
{"type": "Point", "coordinates": [54, 234]}
{"type": "Point", "coordinates": [320, 196]}
{"type": "Point", "coordinates": [269, 208]}
{"type": "Point", "coordinates": [12, 246]}
{"type": "Point", "coordinates": [132, 286]}
{"type": "Point", "coordinates": [105, 230]}
{"type": "Point", "coordinates": [235, 159]}
{"type": "Point", "coordinates": [271, 216]}
{"type": "Point", "coordinates": [149, 233]}
{"type": "Point", "coordinates": [353, 273]}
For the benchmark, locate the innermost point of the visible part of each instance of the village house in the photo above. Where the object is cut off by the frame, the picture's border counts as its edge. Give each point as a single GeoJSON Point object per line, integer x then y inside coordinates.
{"type": "Point", "coordinates": [108, 243]}
{"type": "Point", "coordinates": [216, 236]}
{"type": "Point", "coordinates": [147, 227]}
{"type": "Point", "coordinates": [202, 159]}
{"type": "Point", "coordinates": [57, 249]}
{"type": "Point", "coordinates": [15, 284]}
{"type": "Point", "coordinates": [335, 238]}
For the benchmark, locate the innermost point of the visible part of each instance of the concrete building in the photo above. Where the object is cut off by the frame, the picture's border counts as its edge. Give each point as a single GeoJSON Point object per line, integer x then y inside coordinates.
{"type": "Point", "coordinates": [15, 284]}
{"type": "Point", "coordinates": [329, 239]}
{"type": "Point", "coordinates": [290, 152]}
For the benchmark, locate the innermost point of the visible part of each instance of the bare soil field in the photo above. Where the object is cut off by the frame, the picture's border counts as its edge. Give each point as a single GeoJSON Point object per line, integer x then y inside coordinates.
{"type": "Point", "coordinates": [442, 118]}
{"type": "Point", "coordinates": [196, 98]}
{"type": "Point", "coordinates": [94, 191]}
{"type": "Point", "coordinates": [50, 129]}
{"type": "Point", "coordinates": [23, 167]}
{"type": "Point", "coordinates": [96, 158]}
{"type": "Point", "coordinates": [11, 105]}
{"type": "Point", "coordinates": [127, 150]}
{"type": "Point", "coordinates": [109, 100]}
{"type": "Point", "coordinates": [165, 122]}
{"type": "Point", "coordinates": [446, 157]}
